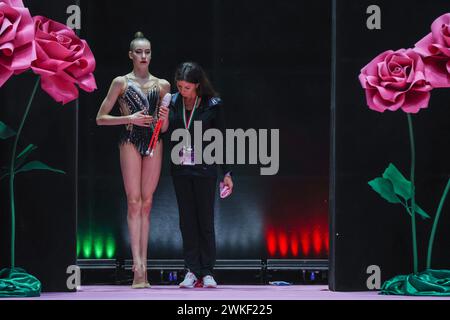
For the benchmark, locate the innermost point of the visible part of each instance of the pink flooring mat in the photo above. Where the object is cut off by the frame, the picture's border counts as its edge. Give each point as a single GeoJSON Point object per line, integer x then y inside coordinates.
{"type": "Point", "coordinates": [242, 292]}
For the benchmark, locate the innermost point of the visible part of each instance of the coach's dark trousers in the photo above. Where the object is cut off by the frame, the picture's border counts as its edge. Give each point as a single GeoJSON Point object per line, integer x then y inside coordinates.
{"type": "Point", "coordinates": [195, 197]}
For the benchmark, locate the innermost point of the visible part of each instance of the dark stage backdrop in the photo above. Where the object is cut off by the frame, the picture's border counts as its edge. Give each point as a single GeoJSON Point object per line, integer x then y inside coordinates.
{"type": "Point", "coordinates": [271, 64]}
{"type": "Point", "coordinates": [366, 230]}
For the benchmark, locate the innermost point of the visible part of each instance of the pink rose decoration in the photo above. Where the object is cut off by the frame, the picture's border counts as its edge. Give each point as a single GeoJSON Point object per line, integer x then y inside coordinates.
{"type": "Point", "coordinates": [17, 47]}
{"type": "Point", "coordinates": [63, 61]}
{"type": "Point", "coordinates": [435, 48]}
{"type": "Point", "coordinates": [396, 79]}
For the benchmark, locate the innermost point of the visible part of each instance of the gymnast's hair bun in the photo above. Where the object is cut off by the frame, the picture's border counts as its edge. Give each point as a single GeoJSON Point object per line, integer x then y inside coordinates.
{"type": "Point", "coordinates": [139, 35]}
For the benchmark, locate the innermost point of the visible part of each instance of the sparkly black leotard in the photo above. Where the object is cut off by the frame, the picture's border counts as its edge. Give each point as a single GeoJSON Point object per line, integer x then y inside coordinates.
{"type": "Point", "coordinates": [133, 100]}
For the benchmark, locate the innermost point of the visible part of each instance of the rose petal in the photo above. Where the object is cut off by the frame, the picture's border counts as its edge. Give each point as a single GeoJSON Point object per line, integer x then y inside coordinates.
{"type": "Point", "coordinates": [5, 74]}
{"type": "Point", "coordinates": [416, 101]}
{"type": "Point", "coordinates": [17, 48]}
{"type": "Point", "coordinates": [422, 46]}
{"type": "Point", "coordinates": [14, 3]}
{"type": "Point", "coordinates": [437, 72]}
{"type": "Point", "coordinates": [22, 56]}
{"type": "Point", "coordinates": [397, 81]}
{"type": "Point", "coordinates": [87, 83]}
{"type": "Point", "coordinates": [388, 105]}
{"type": "Point", "coordinates": [60, 90]}
{"type": "Point", "coordinates": [436, 28]}
{"type": "Point", "coordinates": [62, 59]}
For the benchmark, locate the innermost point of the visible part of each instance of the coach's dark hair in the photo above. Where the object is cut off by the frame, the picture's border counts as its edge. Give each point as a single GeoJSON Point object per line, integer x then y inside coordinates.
{"type": "Point", "coordinates": [192, 72]}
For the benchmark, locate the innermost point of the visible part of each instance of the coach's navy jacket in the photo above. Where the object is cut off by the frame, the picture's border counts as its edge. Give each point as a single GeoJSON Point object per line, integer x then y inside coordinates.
{"type": "Point", "coordinates": [211, 114]}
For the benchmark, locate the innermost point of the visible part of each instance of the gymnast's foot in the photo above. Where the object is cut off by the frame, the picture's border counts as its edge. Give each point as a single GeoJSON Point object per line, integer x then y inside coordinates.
{"type": "Point", "coordinates": [146, 284]}
{"type": "Point", "coordinates": [139, 277]}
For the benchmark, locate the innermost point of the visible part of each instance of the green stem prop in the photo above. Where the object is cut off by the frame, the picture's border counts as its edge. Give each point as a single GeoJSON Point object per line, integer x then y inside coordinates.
{"type": "Point", "coordinates": [435, 224]}
{"type": "Point", "coordinates": [413, 196]}
{"type": "Point", "coordinates": [12, 173]}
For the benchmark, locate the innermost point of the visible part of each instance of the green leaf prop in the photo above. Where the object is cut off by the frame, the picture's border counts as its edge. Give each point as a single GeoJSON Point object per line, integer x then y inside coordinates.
{"type": "Point", "coordinates": [5, 131]}
{"type": "Point", "coordinates": [402, 186]}
{"type": "Point", "coordinates": [385, 189]}
{"type": "Point", "coordinates": [24, 154]}
{"type": "Point", "coordinates": [421, 212]}
{"type": "Point", "coordinates": [38, 165]}
{"type": "Point", "coordinates": [394, 184]}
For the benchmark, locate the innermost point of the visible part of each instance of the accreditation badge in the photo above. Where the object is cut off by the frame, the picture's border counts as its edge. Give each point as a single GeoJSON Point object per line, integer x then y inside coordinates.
{"type": "Point", "coordinates": [187, 153]}
{"type": "Point", "coordinates": [187, 156]}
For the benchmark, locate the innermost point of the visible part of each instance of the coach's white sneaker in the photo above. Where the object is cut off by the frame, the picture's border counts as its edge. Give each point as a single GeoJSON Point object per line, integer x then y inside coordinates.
{"type": "Point", "coordinates": [209, 282]}
{"type": "Point", "coordinates": [189, 280]}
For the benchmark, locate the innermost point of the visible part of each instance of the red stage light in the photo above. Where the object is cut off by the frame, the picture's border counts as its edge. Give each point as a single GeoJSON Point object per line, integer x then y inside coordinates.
{"type": "Point", "coordinates": [283, 243]}
{"type": "Point", "coordinates": [305, 243]}
{"type": "Point", "coordinates": [317, 241]}
{"type": "Point", "coordinates": [271, 243]}
{"type": "Point", "coordinates": [294, 245]}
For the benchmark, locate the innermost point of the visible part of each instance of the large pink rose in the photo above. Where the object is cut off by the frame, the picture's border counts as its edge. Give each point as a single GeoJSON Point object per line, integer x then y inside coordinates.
{"type": "Point", "coordinates": [63, 60]}
{"type": "Point", "coordinates": [394, 80]}
{"type": "Point", "coordinates": [435, 48]}
{"type": "Point", "coordinates": [17, 47]}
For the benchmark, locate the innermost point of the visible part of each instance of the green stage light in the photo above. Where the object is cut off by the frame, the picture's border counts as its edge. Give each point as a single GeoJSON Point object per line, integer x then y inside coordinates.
{"type": "Point", "coordinates": [87, 247]}
{"type": "Point", "coordinates": [78, 245]}
{"type": "Point", "coordinates": [110, 247]}
{"type": "Point", "coordinates": [98, 247]}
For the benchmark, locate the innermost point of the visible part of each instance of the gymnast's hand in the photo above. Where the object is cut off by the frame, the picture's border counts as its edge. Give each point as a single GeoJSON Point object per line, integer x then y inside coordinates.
{"type": "Point", "coordinates": [141, 119]}
{"type": "Point", "coordinates": [163, 113]}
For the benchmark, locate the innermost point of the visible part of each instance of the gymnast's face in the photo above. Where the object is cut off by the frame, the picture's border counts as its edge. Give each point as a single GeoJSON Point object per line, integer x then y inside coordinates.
{"type": "Point", "coordinates": [141, 53]}
{"type": "Point", "coordinates": [187, 89]}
